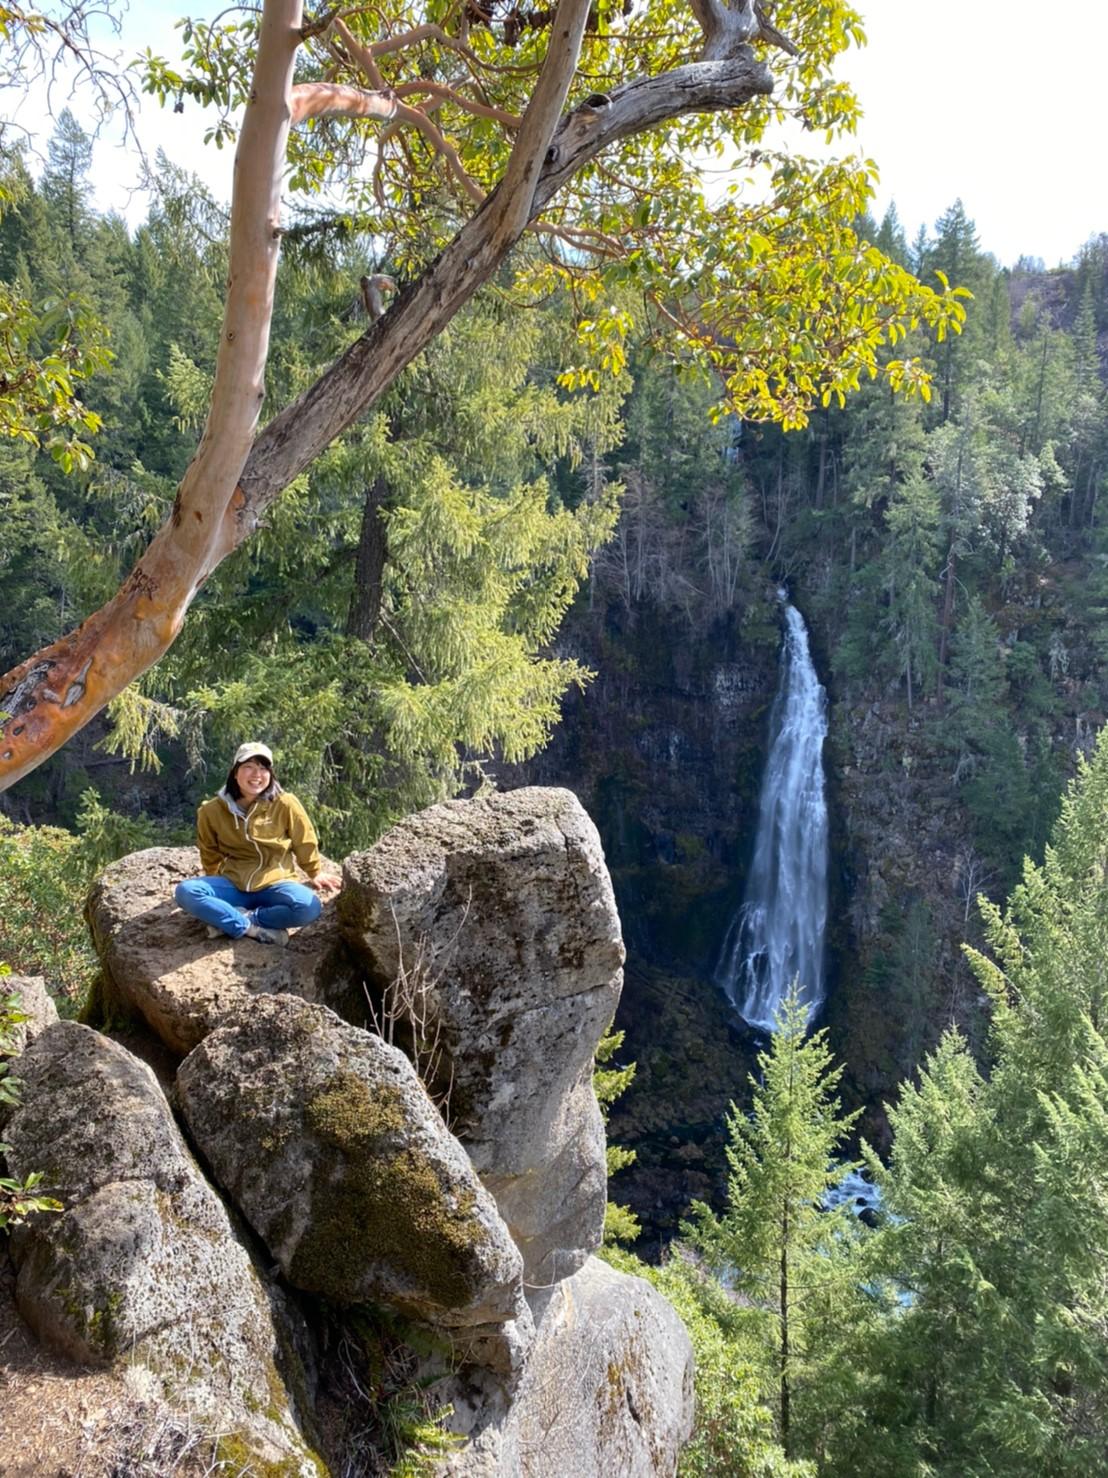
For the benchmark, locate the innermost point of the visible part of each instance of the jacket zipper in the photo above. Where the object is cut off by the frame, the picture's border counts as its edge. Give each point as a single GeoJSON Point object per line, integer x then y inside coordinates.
{"type": "Point", "coordinates": [249, 838]}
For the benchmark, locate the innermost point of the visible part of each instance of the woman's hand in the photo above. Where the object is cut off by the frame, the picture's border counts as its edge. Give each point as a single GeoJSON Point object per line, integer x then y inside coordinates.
{"type": "Point", "coordinates": [326, 885]}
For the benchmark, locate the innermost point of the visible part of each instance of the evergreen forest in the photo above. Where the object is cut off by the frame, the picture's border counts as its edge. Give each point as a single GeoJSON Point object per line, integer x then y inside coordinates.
{"type": "Point", "coordinates": [504, 573]}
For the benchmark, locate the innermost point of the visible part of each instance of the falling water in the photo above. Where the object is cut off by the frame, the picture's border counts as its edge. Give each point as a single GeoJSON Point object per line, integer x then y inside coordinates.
{"type": "Point", "coordinates": [777, 934]}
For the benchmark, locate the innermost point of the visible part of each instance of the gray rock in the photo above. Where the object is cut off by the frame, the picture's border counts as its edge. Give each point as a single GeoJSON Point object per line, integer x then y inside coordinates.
{"type": "Point", "coordinates": [608, 1389]}
{"type": "Point", "coordinates": [493, 923]}
{"type": "Point", "coordinates": [143, 1267]}
{"type": "Point", "coordinates": [34, 1002]}
{"type": "Point", "coordinates": [160, 962]}
{"type": "Point", "coordinates": [327, 1141]}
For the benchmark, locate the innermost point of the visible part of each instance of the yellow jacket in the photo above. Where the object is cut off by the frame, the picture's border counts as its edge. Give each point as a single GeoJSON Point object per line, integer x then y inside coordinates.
{"type": "Point", "coordinates": [255, 848]}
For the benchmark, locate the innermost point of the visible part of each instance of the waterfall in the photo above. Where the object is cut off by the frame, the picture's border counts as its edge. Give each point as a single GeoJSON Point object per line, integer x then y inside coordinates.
{"type": "Point", "coordinates": [778, 932]}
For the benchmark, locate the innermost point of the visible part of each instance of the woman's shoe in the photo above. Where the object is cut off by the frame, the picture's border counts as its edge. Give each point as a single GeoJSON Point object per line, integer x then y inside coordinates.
{"type": "Point", "coordinates": [279, 937]}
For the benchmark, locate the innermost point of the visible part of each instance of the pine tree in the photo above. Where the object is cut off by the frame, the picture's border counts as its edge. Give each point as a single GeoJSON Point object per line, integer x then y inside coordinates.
{"type": "Point", "coordinates": [620, 1222]}
{"type": "Point", "coordinates": [775, 1241]}
{"type": "Point", "coordinates": [955, 253]}
{"type": "Point", "coordinates": [891, 238]}
{"type": "Point", "coordinates": [997, 1197]}
{"type": "Point", "coordinates": [66, 190]}
{"type": "Point", "coordinates": [908, 578]}
{"type": "Point", "coordinates": [930, 1373]}
{"type": "Point", "coordinates": [406, 596]}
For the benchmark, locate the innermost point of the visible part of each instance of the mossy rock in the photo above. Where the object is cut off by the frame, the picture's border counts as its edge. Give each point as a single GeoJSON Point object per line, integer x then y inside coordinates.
{"type": "Point", "coordinates": [328, 1142]}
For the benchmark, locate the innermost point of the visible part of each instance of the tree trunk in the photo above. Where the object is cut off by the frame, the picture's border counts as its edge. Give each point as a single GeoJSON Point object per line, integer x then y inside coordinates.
{"type": "Point", "coordinates": [53, 694]}
{"type": "Point", "coordinates": [783, 1309]}
{"type": "Point", "coordinates": [365, 599]}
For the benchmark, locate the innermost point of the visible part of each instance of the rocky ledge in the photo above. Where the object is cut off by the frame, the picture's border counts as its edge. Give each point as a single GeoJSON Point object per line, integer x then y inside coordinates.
{"type": "Point", "coordinates": [455, 1187]}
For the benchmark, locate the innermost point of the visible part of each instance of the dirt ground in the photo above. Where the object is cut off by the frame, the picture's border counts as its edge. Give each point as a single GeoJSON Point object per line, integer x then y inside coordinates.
{"type": "Point", "coordinates": [58, 1420]}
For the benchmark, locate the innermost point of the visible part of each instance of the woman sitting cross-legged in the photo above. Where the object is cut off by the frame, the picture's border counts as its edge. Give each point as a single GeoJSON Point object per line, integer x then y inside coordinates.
{"type": "Point", "coordinates": [249, 835]}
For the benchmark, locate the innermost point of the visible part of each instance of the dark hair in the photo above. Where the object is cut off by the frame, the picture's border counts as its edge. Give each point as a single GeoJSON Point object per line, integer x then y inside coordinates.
{"type": "Point", "coordinates": [270, 793]}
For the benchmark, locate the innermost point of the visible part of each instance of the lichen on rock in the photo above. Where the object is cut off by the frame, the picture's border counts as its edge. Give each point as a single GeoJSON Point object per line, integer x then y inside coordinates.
{"type": "Point", "coordinates": [331, 1147]}
{"type": "Point", "coordinates": [608, 1389]}
{"type": "Point", "coordinates": [500, 912]}
{"type": "Point", "coordinates": [143, 1265]}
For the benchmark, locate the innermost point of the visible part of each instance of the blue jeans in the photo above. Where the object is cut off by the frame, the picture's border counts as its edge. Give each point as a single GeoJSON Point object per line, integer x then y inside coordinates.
{"type": "Point", "coordinates": [217, 901]}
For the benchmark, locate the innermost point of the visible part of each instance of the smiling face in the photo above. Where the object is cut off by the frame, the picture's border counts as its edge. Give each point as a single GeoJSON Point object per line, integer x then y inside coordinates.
{"type": "Point", "coordinates": [252, 777]}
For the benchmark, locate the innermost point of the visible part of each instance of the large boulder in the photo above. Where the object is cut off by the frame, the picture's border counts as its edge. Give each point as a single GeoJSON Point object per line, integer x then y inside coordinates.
{"type": "Point", "coordinates": [143, 1268]}
{"type": "Point", "coordinates": [608, 1389]}
{"type": "Point", "coordinates": [160, 963]}
{"type": "Point", "coordinates": [33, 1003]}
{"type": "Point", "coordinates": [327, 1141]}
{"type": "Point", "coordinates": [491, 923]}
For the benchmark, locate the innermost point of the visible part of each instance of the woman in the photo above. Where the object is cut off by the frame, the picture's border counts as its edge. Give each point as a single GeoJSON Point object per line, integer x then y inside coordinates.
{"type": "Point", "coordinates": [249, 835]}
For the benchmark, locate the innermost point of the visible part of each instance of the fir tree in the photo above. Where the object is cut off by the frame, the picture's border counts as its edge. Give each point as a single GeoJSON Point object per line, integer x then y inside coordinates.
{"type": "Point", "coordinates": [776, 1241]}
{"type": "Point", "coordinates": [997, 1196]}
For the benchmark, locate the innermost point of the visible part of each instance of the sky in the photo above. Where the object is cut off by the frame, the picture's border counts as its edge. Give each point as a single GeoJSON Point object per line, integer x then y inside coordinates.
{"type": "Point", "coordinates": [982, 101]}
{"type": "Point", "coordinates": [985, 101]}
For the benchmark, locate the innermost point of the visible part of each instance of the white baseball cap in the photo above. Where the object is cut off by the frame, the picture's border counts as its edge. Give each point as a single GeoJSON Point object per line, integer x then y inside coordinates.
{"type": "Point", "coordinates": [253, 751]}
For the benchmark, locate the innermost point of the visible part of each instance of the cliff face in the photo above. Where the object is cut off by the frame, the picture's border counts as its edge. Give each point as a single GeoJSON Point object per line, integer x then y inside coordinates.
{"type": "Point", "coordinates": [665, 750]}
{"type": "Point", "coordinates": [908, 878]}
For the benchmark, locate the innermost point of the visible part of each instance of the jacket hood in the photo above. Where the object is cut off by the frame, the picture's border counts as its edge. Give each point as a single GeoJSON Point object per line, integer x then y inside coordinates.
{"type": "Point", "coordinates": [229, 801]}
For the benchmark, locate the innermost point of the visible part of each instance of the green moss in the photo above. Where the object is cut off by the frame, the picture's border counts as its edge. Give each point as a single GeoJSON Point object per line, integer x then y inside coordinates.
{"type": "Point", "coordinates": [690, 847]}
{"type": "Point", "coordinates": [384, 1196]}
{"type": "Point", "coordinates": [235, 1454]}
{"type": "Point", "coordinates": [105, 1008]}
{"type": "Point", "coordinates": [99, 1324]}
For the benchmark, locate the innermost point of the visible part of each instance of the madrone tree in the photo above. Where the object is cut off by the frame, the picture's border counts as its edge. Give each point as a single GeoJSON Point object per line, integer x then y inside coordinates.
{"type": "Point", "coordinates": [465, 125]}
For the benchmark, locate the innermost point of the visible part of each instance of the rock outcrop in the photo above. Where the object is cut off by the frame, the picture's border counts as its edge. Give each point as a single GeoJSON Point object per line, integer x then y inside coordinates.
{"type": "Point", "coordinates": [144, 1265]}
{"type": "Point", "coordinates": [327, 1141]}
{"type": "Point", "coordinates": [160, 963]}
{"type": "Point", "coordinates": [608, 1389]}
{"type": "Point", "coordinates": [492, 922]}
{"type": "Point", "coordinates": [33, 1003]}
{"type": "Point", "coordinates": [487, 936]}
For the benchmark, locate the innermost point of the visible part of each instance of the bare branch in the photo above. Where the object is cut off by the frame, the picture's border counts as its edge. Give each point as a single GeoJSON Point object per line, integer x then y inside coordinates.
{"type": "Point", "coordinates": [770, 33]}
{"type": "Point", "coordinates": [362, 55]}
{"type": "Point", "coordinates": [515, 194]}
{"type": "Point", "coordinates": [420, 121]}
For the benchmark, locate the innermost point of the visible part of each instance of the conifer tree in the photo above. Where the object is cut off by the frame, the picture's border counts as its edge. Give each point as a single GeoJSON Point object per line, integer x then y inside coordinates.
{"type": "Point", "coordinates": [776, 1241]}
{"type": "Point", "coordinates": [66, 189]}
{"type": "Point", "coordinates": [997, 1196]}
{"type": "Point", "coordinates": [392, 626]}
{"type": "Point", "coordinates": [955, 253]}
{"type": "Point", "coordinates": [908, 578]}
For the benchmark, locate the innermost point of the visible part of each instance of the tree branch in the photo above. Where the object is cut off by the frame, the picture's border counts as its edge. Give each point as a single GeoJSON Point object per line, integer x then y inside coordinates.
{"type": "Point", "coordinates": [515, 194]}
{"type": "Point", "coordinates": [446, 94]}
{"type": "Point", "coordinates": [295, 437]}
{"type": "Point", "coordinates": [52, 695]}
{"type": "Point", "coordinates": [434, 136]}
{"type": "Point", "coordinates": [330, 99]}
